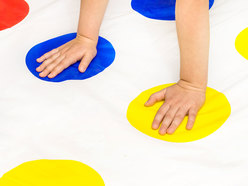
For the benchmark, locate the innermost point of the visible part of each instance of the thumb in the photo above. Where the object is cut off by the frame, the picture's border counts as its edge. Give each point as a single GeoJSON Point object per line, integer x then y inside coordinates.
{"type": "Point", "coordinates": [158, 96]}
{"type": "Point", "coordinates": [84, 63]}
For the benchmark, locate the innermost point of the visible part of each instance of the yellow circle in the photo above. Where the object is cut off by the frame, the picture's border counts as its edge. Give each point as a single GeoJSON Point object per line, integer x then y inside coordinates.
{"type": "Point", "coordinates": [241, 43]}
{"type": "Point", "coordinates": [52, 173]}
{"type": "Point", "coordinates": [213, 114]}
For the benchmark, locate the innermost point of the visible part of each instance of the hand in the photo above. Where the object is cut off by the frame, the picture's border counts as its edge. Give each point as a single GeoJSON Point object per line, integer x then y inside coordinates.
{"type": "Point", "coordinates": [179, 101]}
{"type": "Point", "coordinates": [55, 61]}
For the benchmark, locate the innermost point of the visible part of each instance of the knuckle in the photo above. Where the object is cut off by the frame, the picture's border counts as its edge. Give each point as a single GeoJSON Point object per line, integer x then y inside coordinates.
{"type": "Point", "coordinates": [160, 112]}
{"type": "Point", "coordinates": [168, 116]}
{"type": "Point", "coordinates": [85, 62]}
{"type": "Point", "coordinates": [77, 50]}
{"type": "Point", "coordinates": [193, 114]}
{"type": "Point", "coordinates": [63, 63]}
{"type": "Point", "coordinates": [192, 104]}
{"type": "Point", "coordinates": [58, 68]}
{"type": "Point", "coordinates": [184, 106]}
{"type": "Point", "coordinates": [82, 65]}
{"type": "Point", "coordinates": [175, 124]}
{"type": "Point", "coordinates": [55, 61]}
{"type": "Point", "coordinates": [65, 55]}
{"type": "Point", "coordinates": [164, 125]}
{"type": "Point", "coordinates": [164, 107]}
{"type": "Point", "coordinates": [45, 72]}
{"type": "Point", "coordinates": [66, 58]}
{"type": "Point", "coordinates": [153, 96]}
{"type": "Point", "coordinates": [176, 102]}
{"type": "Point", "coordinates": [47, 59]}
{"type": "Point", "coordinates": [42, 66]}
{"type": "Point", "coordinates": [45, 55]}
{"type": "Point", "coordinates": [57, 54]}
{"type": "Point", "coordinates": [159, 115]}
{"type": "Point", "coordinates": [179, 117]}
{"type": "Point", "coordinates": [150, 98]}
{"type": "Point", "coordinates": [49, 68]}
{"type": "Point", "coordinates": [169, 101]}
{"type": "Point", "coordinates": [51, 58]}
{"type": "Point", "coordinates": [191, 119]}
{"type": "Point", "coordinates": [157, 120]}
{"type": "Point", "coordinates": [62, 56]}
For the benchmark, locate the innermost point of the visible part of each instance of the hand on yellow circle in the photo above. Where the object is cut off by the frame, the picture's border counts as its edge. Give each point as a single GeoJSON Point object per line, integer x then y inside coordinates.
{"type": "Point", "coordinates": [178, 102]}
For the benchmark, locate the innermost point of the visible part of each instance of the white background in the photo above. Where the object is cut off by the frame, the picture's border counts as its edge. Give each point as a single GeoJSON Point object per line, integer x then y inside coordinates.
{"type": "Point", "coordinates": [86, 120]}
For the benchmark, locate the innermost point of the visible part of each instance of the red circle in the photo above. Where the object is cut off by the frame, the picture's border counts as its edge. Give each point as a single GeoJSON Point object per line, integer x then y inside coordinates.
{"type": "Point", "coordinates": [12, 12]}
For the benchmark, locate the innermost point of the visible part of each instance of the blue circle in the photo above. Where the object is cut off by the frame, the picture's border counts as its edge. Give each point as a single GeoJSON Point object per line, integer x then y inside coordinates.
{"type": "Point", "coordinates": [104, 58]}
{"type": "Point", "coordinates": [158, 9]}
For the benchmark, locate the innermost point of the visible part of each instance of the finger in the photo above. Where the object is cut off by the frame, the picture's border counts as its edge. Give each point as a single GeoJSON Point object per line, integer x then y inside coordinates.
{"type": "Point", "coordinates": [191, 118]}
{"type": "Point", "coordinates": [84, 63]}
{"type": "Point", "coordinates": [160, 115]}
{"type": "Point", "coordinates": [65, 63]}
{"type": "Point", "coordinates": [51, 66]}
{"type": "Point", "coordinates": [180, 115]}
{"type": "Point", "coordinates": [47, 62]}
{"type": "Point", "coordinates": [47, 55]}
{"type": "Point", "coordinates": [169, 116]}
{"type": "Point", "coordinates": [64, 48]}
{"type": "Point", "coordinates": [158, 96]}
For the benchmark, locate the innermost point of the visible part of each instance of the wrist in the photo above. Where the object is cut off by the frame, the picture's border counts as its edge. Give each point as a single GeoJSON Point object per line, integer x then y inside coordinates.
{"type": "Point", "coordinates": [201, 87]}
{"type": "Point", "coordinates": [88, 39]}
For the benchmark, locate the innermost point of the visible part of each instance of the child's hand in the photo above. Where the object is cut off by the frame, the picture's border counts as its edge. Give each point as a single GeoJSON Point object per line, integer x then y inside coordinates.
{"type": "Point", "coordinates": [179, 102]}
{"type": "Point", "coordinates": [55, 61]}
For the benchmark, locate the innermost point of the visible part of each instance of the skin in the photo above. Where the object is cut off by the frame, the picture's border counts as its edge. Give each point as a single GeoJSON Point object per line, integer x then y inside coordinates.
{"type": "Point", "coordinates": [82, 48]}
{"type": "Point", "coordinates": [188, 95]}
{"type": "Point", "coordinates": [184, 98]}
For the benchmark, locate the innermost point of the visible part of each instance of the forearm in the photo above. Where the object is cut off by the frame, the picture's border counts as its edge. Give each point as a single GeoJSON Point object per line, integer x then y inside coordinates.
{"type": "Point", "coordinates": [91, 15]}
{"type": "Point", "coordinates": [192, 20]}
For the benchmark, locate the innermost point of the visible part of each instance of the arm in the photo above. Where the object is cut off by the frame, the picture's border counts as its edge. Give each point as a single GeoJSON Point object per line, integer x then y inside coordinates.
{"type": "Point", "coordinates": [193, 37]}
{"type": "Point", "coordinates": [91, 15]}
{"type": "Point", "coordinates": [83, 47]}
{"type": "Point", "coordinates": [188, 95]}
